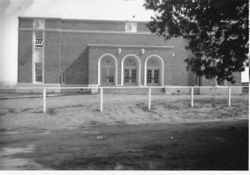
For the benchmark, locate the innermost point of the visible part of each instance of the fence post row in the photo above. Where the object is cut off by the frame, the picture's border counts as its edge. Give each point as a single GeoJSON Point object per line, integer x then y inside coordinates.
{"type": "Point", "coordinates": [149, 98]}
{"type": "Point", "coordinates": [229, 96]}
{"type": "Point", "coordinates": [44, 100]}
{"type": "Point", "coordinates": [192, 96]}
{"type": "Point", "coordinates": [101, 98]}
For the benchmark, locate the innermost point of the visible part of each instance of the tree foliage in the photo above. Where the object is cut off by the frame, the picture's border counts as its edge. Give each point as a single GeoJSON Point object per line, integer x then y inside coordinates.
{"type": "Point", "coordinates": [217, 31]}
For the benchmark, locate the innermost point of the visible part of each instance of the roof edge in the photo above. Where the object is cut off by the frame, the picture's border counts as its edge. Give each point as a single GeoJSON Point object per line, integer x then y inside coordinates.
{"type": "Point", "coordinates": [72, 19]}
{"type": "Point", "coordinates": [134, 46]}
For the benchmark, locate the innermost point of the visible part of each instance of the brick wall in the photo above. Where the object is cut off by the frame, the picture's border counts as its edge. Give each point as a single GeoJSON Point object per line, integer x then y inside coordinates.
{"type": "Point", "coordinates": [53, 23]}
{"type": "Point", "coordinates": [92, 25]}
{"type": "Point", "coordinates": [141, 27]}
{"type": "Point", "coordinates": [175, 72]}
{"type": "Point", "coordinates": [67, 51]}
{"type": "Point", "coordinates": [52, 57]}
{"type": "Point", "coordinates": [74, 57]}
{"type": "Point", "coordinates": [25, 23]}
{"type": "Point", "coordinates": [25, 57]}
{"type": "Point", "coordinates": [73, 48]}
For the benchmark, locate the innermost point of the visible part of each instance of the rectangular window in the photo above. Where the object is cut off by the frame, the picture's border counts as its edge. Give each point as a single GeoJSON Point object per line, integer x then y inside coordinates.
{"type": "Point", "coordinates": [38, 56]}
{"type": "Point", "coordinates": [39, 72]}
{"type": "Point", "coordinates": [133, 75]}
{"type": "Point", "coordinates": [111, 74]}
{"type": "Point", "coordinates": [111, 79]}
{"type": "Point", "coordinates": [126, 79]}
{"type": "Point", "coordinates": [149, 76]}
{"type": "Point", "coordinates": [156, 76]}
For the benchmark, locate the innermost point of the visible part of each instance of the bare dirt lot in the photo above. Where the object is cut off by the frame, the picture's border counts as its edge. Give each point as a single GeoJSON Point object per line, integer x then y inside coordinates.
{"type": "Point", "coordinates": [74, 134]}
{"type": "Point", "coordinates": [76, 110]}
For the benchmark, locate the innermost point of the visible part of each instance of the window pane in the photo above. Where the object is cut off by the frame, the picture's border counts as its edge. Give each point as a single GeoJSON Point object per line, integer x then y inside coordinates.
{"type": "Point", "coordinates": [126, 79]}
{"type": "Point", "coordinates": [39, 72]}
{"type": "Point", "coordinates": [133, 75]}
{"type": "Point", "coordinates": [111, 74]}
{"type": "Point", "coordinates": [38, 55]}
{"type": "Point", "coordinates": [149, 76]}
{"type": "Point", "coordinates": [104, 74]}
{"type": "Point", "coordinates": [156, 76]}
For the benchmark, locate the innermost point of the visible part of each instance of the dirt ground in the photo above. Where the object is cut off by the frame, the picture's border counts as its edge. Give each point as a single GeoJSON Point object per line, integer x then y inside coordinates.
{"type": "Point", "coordinates": [83, 110]}
{"type": "Point", "coordinates": [74, 134]}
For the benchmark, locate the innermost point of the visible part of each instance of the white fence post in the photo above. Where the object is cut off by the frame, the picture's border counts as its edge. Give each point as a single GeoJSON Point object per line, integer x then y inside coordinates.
{"type": "Point", "coordinates": [192, 96]}
{"type": "Point", "coordinates": [44, 100]}
{"type": "Point", "coordinates": [229, 96]}
{"type": "Point", "coordinates": [101, 96]}
{"type": "Point", "coordinates": [149, 98]}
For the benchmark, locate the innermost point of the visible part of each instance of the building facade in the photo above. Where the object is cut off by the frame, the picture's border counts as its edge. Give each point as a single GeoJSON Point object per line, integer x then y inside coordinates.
{"type": "Point", "coordinates": [68, 52]}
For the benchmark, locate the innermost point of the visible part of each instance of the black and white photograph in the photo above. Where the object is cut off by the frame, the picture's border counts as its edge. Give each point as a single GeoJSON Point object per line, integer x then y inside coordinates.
{"type": "Point", "coordinates": [124, 86]}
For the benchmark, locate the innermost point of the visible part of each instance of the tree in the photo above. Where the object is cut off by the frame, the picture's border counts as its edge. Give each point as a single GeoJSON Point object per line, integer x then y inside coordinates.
{"type": "Point", "coordinates": [217, 31]}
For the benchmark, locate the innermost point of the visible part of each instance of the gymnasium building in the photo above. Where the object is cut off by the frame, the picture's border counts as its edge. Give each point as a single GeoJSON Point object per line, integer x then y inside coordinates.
{"type": "Point", "coordinates": [68, 52]}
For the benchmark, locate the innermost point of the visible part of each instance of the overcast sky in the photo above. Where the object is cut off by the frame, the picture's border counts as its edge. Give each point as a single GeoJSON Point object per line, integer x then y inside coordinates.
{"type": "Point", "coordinates": [88, 9]}
{"type": "Point", "coordinates": [76, 9]}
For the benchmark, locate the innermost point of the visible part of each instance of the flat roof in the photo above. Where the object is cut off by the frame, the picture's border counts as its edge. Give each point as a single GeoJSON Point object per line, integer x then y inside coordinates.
{"type": "Point", "coordinates": [71, 19]}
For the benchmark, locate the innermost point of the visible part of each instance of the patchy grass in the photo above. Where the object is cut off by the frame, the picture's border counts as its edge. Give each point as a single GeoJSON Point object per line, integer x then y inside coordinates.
{"type": "Point", "coordinates": [75, 111]}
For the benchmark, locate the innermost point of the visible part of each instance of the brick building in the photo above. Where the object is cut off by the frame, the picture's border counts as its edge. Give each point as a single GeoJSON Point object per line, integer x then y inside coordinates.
{"type": "Point", "coordinates": [68, 52]}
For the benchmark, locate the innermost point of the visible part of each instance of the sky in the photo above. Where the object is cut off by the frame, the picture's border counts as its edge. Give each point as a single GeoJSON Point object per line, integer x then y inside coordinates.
{"type": "Point", "coordinates": [76, 9]}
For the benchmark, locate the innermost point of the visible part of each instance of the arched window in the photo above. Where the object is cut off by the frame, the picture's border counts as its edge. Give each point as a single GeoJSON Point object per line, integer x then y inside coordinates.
{"type": "Point", "coordinates": [154, 71]}
{"type": "Point", "coordinates": [131, 68]}
{"type": "Point", "coordinates": [107, 70]}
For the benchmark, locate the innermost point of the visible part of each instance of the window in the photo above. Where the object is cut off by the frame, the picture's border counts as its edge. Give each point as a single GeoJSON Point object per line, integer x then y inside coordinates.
{"type": "Point", "coordinates": [38, 56]}
{"type": "Point", "coordinates": [156, 76]}
{"type": "Point", "coordinates": [149, 76]}
{"type": "Point", "coordinates": [154, 67]}
{"type": "Point", "coordinates": [133, 75]}
{"type": "Point", "coordinates": [126, 75]}
{"type": "Point", "coordinates": [111, 79]}
{"type": "Point", "coordinates": [39, 72]}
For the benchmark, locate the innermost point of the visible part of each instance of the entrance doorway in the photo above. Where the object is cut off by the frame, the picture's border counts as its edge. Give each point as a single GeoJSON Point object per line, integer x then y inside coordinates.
{"type": "Point", "coordinates": [130, 71]}
{"type": "Point", "coordinates": [108, 75]}
{"type": "Point", "coordinates": [154, 71]}
{"type": "Point", "coordinates": [153, 76]}
{"type": "Point", "coordinates": [130, 75]}
{"type": "Point", "coordinates": [108, 71]}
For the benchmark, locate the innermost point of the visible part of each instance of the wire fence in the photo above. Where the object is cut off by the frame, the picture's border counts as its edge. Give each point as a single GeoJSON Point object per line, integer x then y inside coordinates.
{"type": "Point", "coordinates": [191, 92]}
